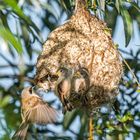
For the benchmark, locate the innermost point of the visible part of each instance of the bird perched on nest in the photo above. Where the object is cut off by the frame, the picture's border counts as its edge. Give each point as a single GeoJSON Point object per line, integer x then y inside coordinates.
{"type": "Point", "coordinates": [33, 110]}
{"type": "Point", "coordinates": [71, 86]}
{"type": "Point", "coordinates": [63, 87]}
{"type": "Point", "coordinates": [44, 80]}
{"type": "Point", "coordinates": [82, 80]}
{"type": "Point", "coordinates": [80, 85]}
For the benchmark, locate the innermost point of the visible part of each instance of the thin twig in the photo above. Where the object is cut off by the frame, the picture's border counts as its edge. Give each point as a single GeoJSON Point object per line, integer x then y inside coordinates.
{"type": "Point", "coordinates": [134, 76]}
{"type": "Point", "coordinates": [90, 129]}
{"type": "Point", "coordinates": [124, 51]}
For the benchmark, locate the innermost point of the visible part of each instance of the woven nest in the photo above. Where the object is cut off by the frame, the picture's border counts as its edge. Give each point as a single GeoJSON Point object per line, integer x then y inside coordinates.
{"type": "Point", "coordinates": [84, 40]}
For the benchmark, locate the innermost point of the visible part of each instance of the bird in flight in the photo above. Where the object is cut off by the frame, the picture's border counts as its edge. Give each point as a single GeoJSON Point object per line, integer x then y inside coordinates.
{"type": "Point", "coordinates": [33, 110]}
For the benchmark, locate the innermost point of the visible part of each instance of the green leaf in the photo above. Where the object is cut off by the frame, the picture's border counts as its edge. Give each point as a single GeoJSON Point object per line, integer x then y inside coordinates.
{"type": "Point", "coordinates": [16, 9]}
{"type": "Point", "coordinates": [69, 118]}
{"type": "Point", "coordinates": [4, 101]}
{"type": "Point", "coordinates": [127, 25]}
{"type": "Point", "coordinates": [26, 36]}
{"type": "Point", "coordinates": [4, 20]}
{"type": "Point", "coordinates": [102, 4]}
{"type": "Point", "coordinates": [135, 6]}
{"type": "Point", "coordinates": [84, 122]}
{"type": "Point", "coordinates": [117, 5]}
{"type": "Point", "coordinates": [138, 90]}
{"type": "Point", "coordinates": [8, 36]}
{"type": "Point", "coordinates": [63, 4]}
{"type": "Point", "coordinates": [125, 118]}
{"type": "Point", "coordinates": [2, 7]}
{"type": "Point", "coordinates": [109, 126]}
{"type": "Point", "coordinates": [66, 4]}
{"type": "Point", "coordinates": [50, 9]}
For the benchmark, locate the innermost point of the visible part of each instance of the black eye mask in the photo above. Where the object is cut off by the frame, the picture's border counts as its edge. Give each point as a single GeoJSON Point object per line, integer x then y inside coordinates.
{"type": "Point", "coordinates": [30, 90]}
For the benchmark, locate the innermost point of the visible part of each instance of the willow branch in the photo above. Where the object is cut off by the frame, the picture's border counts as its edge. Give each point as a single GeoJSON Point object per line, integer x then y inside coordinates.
{"type": "Point", "coordinates": [134, 76]}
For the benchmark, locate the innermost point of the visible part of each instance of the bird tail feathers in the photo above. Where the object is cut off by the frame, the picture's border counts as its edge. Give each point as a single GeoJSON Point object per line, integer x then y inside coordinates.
{"type": "Point", "coordinates": [20, 134]}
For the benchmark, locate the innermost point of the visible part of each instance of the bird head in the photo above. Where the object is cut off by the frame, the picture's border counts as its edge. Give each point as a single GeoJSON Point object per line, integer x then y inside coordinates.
{"type": "Point", "coordinates": [64, 72]}
{"type": "Point", "coordinates": [81, 72]}
{"type": "Point", "coordinates": [26, 92]}
{"type": "Point", "coordinates": [77, 74]}
{"type": "Point", "coordinates": [84, 72]}
{"type": "Point", "coordinates": [45, 79]}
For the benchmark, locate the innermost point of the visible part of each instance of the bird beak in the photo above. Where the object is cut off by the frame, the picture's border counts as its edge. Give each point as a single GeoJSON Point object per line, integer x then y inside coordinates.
{"type": "Point", "coordinates": [31, 90]}
{"type": "Point", "coordinates": [58, 73]}
{"type": "Point", "coordinates": [77, 74]}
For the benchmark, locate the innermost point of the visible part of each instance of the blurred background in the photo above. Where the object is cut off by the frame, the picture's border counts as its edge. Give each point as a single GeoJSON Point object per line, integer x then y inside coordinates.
{"type": "Point", "coordinates": [24, 27]}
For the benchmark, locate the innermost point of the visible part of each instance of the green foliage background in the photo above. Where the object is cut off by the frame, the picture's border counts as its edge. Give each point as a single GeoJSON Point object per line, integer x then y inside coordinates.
{"type": "Point", "coordinates": [24, 26]}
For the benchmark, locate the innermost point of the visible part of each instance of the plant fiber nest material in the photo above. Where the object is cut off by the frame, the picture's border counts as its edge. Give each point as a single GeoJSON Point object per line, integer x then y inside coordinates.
{"type": "Point", "coordinates": [86, 41]}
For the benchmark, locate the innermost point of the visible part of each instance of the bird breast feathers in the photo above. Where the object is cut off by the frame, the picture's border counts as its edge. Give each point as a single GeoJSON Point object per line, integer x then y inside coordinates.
{"type": "Point", "coordinates": [79, 84]}
{"type": "Point", "coordinates": [65, 86]}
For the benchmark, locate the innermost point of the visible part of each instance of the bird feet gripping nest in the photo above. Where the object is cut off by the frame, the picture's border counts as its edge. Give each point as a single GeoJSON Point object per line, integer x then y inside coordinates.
{"type": "Point", "coordinates": [71, 87]}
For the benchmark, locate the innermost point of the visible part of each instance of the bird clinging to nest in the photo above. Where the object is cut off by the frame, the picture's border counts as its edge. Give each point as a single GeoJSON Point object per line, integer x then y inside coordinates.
{"type": "Point", "coordinates": [80, 85]}
{"type": "Point", "coordinates": [82, 80]}
{"type": "Point", "coordinates": [71, 86]}
{"type": "Point", "coordinates": [63, 87]}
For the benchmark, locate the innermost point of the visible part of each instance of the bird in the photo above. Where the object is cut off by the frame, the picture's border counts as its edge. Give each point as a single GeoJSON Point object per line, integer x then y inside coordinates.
{"type": "Point", "coordinates": [63, 87]}
{"type": "Point", "coordinates": [86, 84]}
{"type": "Point", "coordinates": [80, 85]}
{"type": "Point", "coordinates": [33, 110]}
{"type": "Point", "coordinates": [44, 81]}
{"type": "Point", "coordinates": [82, 81]}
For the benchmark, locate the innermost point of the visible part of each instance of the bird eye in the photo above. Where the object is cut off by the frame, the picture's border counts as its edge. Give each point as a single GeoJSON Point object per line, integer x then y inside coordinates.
{"type": "Point", "coordinates": [61, 70]}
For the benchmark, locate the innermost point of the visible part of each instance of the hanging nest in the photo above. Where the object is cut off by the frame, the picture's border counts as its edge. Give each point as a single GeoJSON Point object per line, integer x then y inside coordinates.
{"type": "Point", "coordinates": [86, 41]}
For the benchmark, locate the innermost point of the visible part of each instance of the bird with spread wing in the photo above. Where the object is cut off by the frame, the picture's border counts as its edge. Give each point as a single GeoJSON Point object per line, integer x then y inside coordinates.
{"type": "Point", "coordinates": [33, 110]}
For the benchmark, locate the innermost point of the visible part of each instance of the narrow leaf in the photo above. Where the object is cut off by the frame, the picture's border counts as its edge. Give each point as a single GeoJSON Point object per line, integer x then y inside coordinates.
{"type": "Point", "coordinates": [69, 118]}
{"type": "Point", "coordinates": [8, 36]}
{"type": "Point", "coordinates": [127, 25]}
{"type": "Point", "coordinates": [4, 101]}
{"type": "Point", "coordinates": [135, 6]}
{"type": "Point", "coordinates": [16, 9]}
{"type": "Point", "coordinates": [102, 4]}
{"type": "Point", "coordinates": [138, 90]}
{"type": "Point", "coordinates": [51, 10]}
{"type": "Point", "coordinates": [117, 5]}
